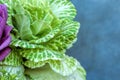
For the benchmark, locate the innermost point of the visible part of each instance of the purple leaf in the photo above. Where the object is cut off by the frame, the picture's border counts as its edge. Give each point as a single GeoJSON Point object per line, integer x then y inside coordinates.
{"type": "Point", "coordinates": [4, 53]}
{"type": "Point", "coordinates": [5, 37]}
{"type": "Point", "coordinates": [5, 42]}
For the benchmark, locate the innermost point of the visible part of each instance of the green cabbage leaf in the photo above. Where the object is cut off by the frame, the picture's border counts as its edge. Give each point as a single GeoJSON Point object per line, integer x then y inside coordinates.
{"type": "Point", "coordinates": [46, 73]}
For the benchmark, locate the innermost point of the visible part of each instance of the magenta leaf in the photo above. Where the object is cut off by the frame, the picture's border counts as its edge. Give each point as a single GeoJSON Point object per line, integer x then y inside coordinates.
{"type": "Point", "coordinates": [5, 37]}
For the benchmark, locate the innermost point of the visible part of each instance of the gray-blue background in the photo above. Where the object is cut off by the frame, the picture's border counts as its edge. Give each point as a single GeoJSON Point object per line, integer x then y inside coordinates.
{"type": "Point", "coordinates": [98, 45]}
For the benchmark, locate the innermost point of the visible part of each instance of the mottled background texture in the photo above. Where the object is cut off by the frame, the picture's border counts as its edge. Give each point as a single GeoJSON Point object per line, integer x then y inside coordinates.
{"type": "Point", "coordinates": [98, 45]}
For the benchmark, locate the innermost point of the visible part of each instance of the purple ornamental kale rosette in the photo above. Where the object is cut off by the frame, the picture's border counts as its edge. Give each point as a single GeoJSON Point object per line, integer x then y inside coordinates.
{"type": "Point", "coordinates": [5, 37]}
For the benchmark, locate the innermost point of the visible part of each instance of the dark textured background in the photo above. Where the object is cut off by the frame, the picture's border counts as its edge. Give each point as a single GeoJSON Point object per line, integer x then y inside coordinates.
{"type": "Point", "coordinates": [98, 45]}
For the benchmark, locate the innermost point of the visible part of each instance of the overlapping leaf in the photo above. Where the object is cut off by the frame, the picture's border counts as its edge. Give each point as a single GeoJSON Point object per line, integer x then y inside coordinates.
{"type": "Point", "coordinates": [66, 37]}
{"type": "Point", "coordinates": [37, 55]}
{"type": "Point", "coordinates": [44, 73]}
{"type": "Point", "coordinates": [24, 44]}
{"type": "Point", "coordinates": [65, 66]}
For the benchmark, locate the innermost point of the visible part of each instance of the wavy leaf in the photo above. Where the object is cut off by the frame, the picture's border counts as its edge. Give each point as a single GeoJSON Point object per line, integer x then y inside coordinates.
{"type": "Point", "coordinates": [37, 55]}
{"type": "Point", "coordinates": [44, 73]}
{"type": "Point", "coordinates": [24, 44]}
{"type": "Point", "coordinates": [63, 9]}
{"type": "Point", "coordinates": [33, 65]}
{"type": "Point", "coordinates": [66, 37]}
{"type": "Point", "coordinates": [65, 66]}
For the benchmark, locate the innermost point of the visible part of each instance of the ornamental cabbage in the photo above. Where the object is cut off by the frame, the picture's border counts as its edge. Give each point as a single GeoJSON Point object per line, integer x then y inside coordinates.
{"type": "Point", "coordinates": [42, 31]}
